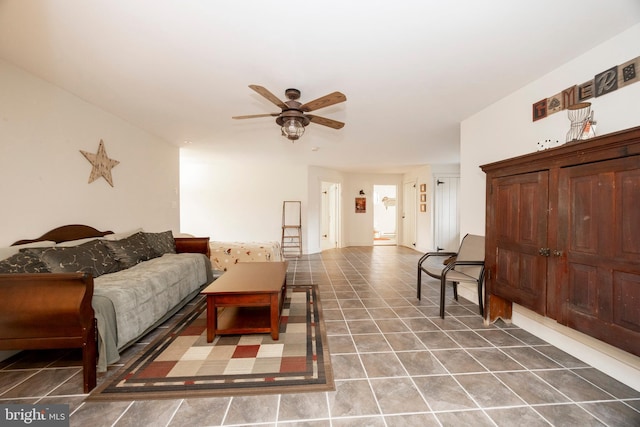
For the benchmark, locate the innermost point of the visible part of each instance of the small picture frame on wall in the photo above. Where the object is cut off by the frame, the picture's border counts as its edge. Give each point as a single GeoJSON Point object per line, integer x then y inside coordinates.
{"type": "Point", "coordinates": [423, 207]}
{"type": "Point", "coordinates": [423, 188]}
{"type": "Point", "coordinates": [423, 198]}
{"type": "Point", "coordinates": [361, 205]}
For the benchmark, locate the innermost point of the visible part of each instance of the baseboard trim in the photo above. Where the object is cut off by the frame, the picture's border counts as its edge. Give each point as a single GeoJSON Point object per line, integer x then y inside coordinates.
{"type": "Point", "coordinates": [618, 364]}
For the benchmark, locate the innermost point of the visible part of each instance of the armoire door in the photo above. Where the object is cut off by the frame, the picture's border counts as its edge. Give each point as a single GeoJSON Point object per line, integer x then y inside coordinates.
{"type": "Point", "coordinates": [599, 235]}
{"type": "Point", "coordinates": [518, 218]}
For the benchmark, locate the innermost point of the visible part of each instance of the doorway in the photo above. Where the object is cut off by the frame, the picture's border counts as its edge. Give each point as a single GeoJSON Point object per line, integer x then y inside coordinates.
{"type": "Point", "coordinates": [385, 219]}
{"type": "Point", "coordinates": [330, 215]}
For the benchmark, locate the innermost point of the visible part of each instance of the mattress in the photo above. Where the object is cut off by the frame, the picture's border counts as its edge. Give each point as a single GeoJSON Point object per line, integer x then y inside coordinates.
{"type": "Point", "coordinates": [225, 255]}
{"type": "Point", "coordinates": [131, 302]}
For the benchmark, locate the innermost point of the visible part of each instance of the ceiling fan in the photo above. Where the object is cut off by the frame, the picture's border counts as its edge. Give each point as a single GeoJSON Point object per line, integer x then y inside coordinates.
{"type": "Point", "coordinates": [294, 118]}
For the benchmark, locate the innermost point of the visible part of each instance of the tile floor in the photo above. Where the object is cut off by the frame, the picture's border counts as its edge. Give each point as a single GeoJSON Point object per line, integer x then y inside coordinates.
{"type": "Point", "coordinates": [396, 363]}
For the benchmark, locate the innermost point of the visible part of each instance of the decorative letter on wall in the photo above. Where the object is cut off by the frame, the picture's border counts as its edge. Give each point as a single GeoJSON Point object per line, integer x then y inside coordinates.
{"type": "Point", "coordinates": [603, 83]}
{"type": "Point", "coordinates": [101, 163]}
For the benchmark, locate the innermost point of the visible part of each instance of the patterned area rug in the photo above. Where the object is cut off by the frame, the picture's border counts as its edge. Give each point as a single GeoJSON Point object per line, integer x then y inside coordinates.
{"type": "Point", "coordinates": [181, 364]}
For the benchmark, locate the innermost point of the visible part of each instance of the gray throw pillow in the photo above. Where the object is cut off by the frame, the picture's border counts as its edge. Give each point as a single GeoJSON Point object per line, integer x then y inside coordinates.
{"type": "Point", "coordinates": [23, 262]}
{"type": "Point", "coordinates": [132, 250]}
{"type": "Point", "coordinates": [92, 257]}
{"type": "Point", "coordinates": [161, 243]}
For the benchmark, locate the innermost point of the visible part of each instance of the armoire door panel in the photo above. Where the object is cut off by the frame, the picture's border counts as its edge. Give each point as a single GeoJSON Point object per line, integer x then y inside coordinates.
{"type": "Point", "coordinates": [627, 197]}
{"type": "Point", "coordinates": [618, 336]}
{"type": "Point", "coordinates": [506, 266]}
{"type": "Point", "coordinates": [626, 297]}
{"type": "Point", "coordinates": [521, 233]}
{"type": "Point", "coordinates": [599, 227]}
{"type": "Point", "coordinates": [529, 215]}
{"type": "Point", "coordinates": [584, 224]}
{"type": "Point", "coordinates": [518, 278]}
{"type": "Point", "coordinates": [582, 289]}
{"type": "Point", "coordinates": [506, 209]}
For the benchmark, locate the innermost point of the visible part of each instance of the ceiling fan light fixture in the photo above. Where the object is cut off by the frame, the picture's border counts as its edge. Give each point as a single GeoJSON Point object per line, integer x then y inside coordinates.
{"type": "Point", "coordinates": [292, 129]}
{"type": "Point", "coordinates": [294, 118]}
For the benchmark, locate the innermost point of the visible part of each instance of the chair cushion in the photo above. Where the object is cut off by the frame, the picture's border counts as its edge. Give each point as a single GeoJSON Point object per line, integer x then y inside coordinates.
{"type": "Point", "coordinates": [456, 276]}
{"type": "Point", "coordinates": [432, 270]}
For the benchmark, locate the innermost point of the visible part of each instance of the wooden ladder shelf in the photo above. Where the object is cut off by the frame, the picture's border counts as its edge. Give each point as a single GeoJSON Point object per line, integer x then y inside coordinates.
{"type": "Point", "coordinates": [291, 228]}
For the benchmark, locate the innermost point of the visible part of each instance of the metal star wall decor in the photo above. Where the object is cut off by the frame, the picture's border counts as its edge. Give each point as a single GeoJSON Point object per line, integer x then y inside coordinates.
{"type": "Point", "coordinates": [101, 163]}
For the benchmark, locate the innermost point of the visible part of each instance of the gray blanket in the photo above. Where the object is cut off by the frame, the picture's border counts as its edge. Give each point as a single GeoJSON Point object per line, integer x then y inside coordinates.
{"type": "Point", "coordinates": [130, 302]}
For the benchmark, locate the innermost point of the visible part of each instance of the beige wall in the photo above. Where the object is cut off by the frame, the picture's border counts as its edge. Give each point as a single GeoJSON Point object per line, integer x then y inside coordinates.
{"type": "Point", "coordinates": [44, 178]}
{"type": "Point", "coordinates": [236, 195]}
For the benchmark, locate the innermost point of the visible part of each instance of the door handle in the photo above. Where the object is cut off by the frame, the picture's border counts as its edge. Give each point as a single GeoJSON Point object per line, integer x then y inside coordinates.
{"type": "Point", "coordinates": [544, 251]}
{"type": "Point", "coordinates": [557, 253]}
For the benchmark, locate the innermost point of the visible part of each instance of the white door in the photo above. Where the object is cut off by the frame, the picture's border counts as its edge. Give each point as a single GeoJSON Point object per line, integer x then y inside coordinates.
{"type": "Point", "coordinates": [409, 215]}
{"type": "Point", "coordinates": [330, 220]}
{"type": "Point", "coordinates": [447, 227]}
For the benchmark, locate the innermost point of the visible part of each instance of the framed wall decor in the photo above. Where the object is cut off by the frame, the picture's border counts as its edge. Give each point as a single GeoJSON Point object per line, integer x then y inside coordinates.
{"type": "Point", "coordinates": [423, 188]}
{"type": "Point", "coordinates": [423, 207]}
{"type": "Point", "coordinates": [361, 205]}
{"type": "Point", "coordinates": [423, 198]}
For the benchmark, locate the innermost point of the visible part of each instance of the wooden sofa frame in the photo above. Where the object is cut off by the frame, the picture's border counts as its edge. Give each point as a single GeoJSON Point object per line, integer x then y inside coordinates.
{"type": "Point", "coordinates": [53, 310]}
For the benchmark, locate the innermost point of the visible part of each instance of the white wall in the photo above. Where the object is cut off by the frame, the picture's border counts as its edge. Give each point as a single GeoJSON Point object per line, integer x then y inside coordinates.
{"type": "Point", "coordinates": [44, 178]}
{"type": "Point", "coordinates": [505, 129]}
{"type": "Point", "coordinates": [237, 196]}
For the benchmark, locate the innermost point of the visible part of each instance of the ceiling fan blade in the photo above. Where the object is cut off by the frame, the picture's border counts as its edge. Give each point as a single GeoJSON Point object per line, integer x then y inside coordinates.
{"type": "Point", "coordinates": [271, 97]}
{"type": "Point", "coordinates": [325, 101]}
{"type": "Point", "coordinates": [325, 122]}
{"type": "Point", "coordinates": [253, 116]}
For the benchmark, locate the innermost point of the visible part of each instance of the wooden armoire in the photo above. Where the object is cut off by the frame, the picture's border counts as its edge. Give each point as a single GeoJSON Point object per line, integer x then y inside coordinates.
{"type": "Point", "coordinates": [563, 236]}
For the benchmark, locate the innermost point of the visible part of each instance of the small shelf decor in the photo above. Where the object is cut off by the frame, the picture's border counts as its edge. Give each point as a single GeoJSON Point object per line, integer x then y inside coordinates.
{"type": "Point", "coordinates": [582, 124]}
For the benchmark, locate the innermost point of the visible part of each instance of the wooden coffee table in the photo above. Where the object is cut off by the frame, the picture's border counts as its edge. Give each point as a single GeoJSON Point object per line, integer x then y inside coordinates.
{"type": "Point", "coordinates": [252, 294]}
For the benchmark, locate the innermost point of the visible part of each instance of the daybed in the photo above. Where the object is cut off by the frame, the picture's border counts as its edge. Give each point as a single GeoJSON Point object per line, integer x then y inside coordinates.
{"type": "Point", "coordinates": [225, 255]}
{"type": "Point", "coordinates": [76, 286]}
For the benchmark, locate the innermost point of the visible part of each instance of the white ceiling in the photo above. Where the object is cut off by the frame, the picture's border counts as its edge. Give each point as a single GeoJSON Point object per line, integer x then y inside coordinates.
{"type": "Point", "coordinates": [411, 70]}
